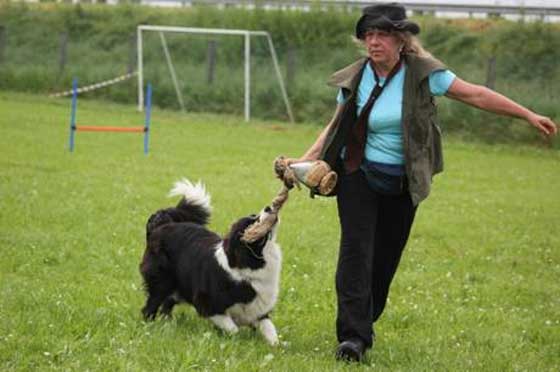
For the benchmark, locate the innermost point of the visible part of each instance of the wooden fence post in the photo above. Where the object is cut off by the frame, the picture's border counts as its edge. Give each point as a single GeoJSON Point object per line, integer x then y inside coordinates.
{"type": "Point", "coordinates": [211, 56]}
{"type": "Point", "coordinates": [63, 47]}
{"type": "Point", "coordinates": [131, 53]}
{"type": "Point", "coordinates": [291, 68]}
{"type": "Point", "coordinates": [491, 73]}
{"type": "Point", "coordinates": [2, 42]}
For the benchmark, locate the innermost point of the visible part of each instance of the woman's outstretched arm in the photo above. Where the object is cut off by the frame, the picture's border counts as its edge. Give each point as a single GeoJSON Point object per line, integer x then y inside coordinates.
{"type": "Point", "coordinates": [489, 100]}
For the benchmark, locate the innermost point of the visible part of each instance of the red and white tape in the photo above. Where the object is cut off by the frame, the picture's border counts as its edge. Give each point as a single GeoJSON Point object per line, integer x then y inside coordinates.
{"type": "Point", "coordinates": [95, 86]}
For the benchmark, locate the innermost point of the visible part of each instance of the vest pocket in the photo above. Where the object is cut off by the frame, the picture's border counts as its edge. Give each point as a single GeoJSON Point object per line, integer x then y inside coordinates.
{"type": "Point", "coordinates": [436, 154]}
{"type": "Point", "coordinates": [418, 130]}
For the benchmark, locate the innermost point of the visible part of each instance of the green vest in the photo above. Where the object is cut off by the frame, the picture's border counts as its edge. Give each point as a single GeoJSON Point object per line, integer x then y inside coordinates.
{"type": "Point", "coordinates": [421, 134]}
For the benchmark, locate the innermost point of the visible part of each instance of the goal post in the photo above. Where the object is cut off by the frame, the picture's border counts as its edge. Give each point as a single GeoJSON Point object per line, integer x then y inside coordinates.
{"type": "Point", "coordinates": [246, 34]}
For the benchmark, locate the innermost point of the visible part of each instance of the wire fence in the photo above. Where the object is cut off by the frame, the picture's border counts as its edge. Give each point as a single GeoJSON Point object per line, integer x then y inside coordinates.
{"type": "Point", "coordinates": [546, 10]}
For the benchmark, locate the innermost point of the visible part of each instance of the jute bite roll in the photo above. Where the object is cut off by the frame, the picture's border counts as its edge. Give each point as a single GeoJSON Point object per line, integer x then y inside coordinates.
{"type": "Point", "coordinates": [314, 174]}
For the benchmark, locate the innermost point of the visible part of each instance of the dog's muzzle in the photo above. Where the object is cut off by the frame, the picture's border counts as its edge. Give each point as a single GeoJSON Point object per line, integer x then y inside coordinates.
{"type": "Point", "coordinates": [268, 214]}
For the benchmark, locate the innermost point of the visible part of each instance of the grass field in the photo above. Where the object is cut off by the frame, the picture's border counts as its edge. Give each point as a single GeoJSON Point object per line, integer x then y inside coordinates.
{"type": "Point", "coordinates": [478, 288]}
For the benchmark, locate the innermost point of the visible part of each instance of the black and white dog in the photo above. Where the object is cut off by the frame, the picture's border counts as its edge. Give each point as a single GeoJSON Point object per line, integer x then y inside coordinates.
{"type": "Point", "coordinates": [230, 282]}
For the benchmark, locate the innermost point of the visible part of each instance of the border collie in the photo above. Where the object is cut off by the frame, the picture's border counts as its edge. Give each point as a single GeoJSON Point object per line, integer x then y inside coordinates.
{"type": "Point", "coordinates": [229, 281]}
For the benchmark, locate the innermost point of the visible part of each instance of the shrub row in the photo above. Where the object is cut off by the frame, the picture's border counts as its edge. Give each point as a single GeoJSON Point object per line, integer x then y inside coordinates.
{"type": "Point", "coordinates": [43, 46]}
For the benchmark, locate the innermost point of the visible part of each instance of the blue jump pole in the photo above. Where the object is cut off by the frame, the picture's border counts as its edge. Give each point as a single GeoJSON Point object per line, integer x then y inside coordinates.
{"type": "Point", "coordinates": [148, 109]}
{"type": "Point", "coordinates": [73, 113]}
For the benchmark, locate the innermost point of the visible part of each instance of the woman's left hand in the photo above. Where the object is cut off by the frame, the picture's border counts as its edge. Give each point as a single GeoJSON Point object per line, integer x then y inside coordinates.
{"type": "Point", "coordinates": [543, 123]}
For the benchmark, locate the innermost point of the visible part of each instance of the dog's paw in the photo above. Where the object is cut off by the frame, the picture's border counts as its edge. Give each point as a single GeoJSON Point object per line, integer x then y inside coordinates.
{"type": "Point", "coordinates": [225, 323]}
{"type": "Point", "coordinates": [148, 315]}
{"type": "Point", "coordinates": [232, 330]}
{"type": "Point", "coordinates": [273, 341]}
{"type": "Point", "coordinates": [267, 329]}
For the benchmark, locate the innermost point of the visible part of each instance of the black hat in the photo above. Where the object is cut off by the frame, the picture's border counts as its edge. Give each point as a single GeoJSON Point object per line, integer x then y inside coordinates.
{"type": "Point", "coordinates": [385, 16]}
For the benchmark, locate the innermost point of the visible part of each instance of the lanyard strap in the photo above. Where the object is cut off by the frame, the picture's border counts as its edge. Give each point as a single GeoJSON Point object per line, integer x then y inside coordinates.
{"type": "Point", "coordinates": [356, 141]}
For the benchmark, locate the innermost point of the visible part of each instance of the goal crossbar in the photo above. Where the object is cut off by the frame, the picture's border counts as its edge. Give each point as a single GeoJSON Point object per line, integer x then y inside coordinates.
{"type": "Point", "coordinates": [246, 34]}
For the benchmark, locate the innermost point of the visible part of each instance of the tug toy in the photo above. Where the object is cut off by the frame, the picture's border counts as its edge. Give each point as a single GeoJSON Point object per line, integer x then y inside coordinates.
{"type": "Point", "coordinates": [260, 228]}
{"type": "Point", "coordinates": [316, 175]}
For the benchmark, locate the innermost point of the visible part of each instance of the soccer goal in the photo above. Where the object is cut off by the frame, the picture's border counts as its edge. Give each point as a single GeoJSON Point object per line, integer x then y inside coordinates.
{"type": "Point", "coordinates": [246, 34]}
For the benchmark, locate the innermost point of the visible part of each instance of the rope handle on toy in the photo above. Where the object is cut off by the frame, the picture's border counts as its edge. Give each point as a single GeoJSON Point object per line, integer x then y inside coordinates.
{"type": "Point", "coordinates": [285, 173]}
{"type": "Point", "coordinates": [261, 228]}
{"type": "Point", "coordinates": [317, 175]}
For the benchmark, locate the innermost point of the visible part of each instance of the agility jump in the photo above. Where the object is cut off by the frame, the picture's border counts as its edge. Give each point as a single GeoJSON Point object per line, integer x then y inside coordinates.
{"type": "Point", "coordinates": [95, 128]}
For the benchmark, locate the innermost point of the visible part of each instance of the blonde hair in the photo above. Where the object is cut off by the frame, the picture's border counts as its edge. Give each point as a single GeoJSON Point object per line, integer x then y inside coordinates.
{"type": "Point", "coordinates": [410, 43]}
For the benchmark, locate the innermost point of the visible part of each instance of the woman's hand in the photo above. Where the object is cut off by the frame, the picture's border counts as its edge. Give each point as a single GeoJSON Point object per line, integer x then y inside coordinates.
{"type": "Point", "coordinates": [289, 161]}
{"type": "Point", "coordinates": [542, 123]}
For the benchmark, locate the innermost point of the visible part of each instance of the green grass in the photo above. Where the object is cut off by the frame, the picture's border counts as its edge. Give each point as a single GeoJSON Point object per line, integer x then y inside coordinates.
{"type": "Point", "coordinates": [477, 289]}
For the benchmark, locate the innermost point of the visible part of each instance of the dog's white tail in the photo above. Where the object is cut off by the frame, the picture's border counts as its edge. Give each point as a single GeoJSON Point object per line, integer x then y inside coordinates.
{"type": "Point", "coordinates": [194, 194]}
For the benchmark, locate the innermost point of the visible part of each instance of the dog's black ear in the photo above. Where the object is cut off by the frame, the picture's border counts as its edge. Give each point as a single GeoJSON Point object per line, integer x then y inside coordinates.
{"type": "Point", "coordinates": [230, 251]}
{"type": "Point", "coordinates": [154, 262]}
{"type": "Point", "coordinates": [225, 242]}
{"type": "Point", "coordinates": [157, 219]}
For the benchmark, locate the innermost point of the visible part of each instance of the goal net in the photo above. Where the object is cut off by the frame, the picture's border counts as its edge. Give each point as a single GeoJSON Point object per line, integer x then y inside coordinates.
{"type": "Point", "coordinates": [179, 80]}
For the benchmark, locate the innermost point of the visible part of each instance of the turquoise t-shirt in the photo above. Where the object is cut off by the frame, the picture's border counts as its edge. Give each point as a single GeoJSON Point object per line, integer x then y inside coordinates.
{"type": "Point", "coordinates": [384, 132]}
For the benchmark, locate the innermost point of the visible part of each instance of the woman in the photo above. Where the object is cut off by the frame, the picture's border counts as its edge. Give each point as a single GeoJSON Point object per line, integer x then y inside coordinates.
{"type": "Point", "coordinates": [385, 148]}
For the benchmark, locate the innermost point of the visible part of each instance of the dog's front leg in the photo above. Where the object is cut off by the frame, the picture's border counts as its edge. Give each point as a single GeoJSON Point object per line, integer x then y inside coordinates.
{"type": "Point", "coordinates": [152, 305]}
{"type": "Point", "coordinates": [225, 323]}
{"type": "Point", "coordinates": [267, 329]}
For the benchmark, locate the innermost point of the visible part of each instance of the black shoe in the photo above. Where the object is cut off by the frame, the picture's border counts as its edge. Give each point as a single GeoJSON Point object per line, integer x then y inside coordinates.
{"type": "Point", "coordinates": [350, 351]}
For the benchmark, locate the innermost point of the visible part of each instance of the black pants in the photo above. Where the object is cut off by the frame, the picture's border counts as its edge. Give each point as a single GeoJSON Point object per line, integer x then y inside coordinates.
{"type": "Point", "coordinates": [374, 231]}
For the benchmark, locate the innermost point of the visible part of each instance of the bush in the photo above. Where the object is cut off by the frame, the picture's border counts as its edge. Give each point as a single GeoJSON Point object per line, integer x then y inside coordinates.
{"type": "Point", "coordinates": [101, 45]}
